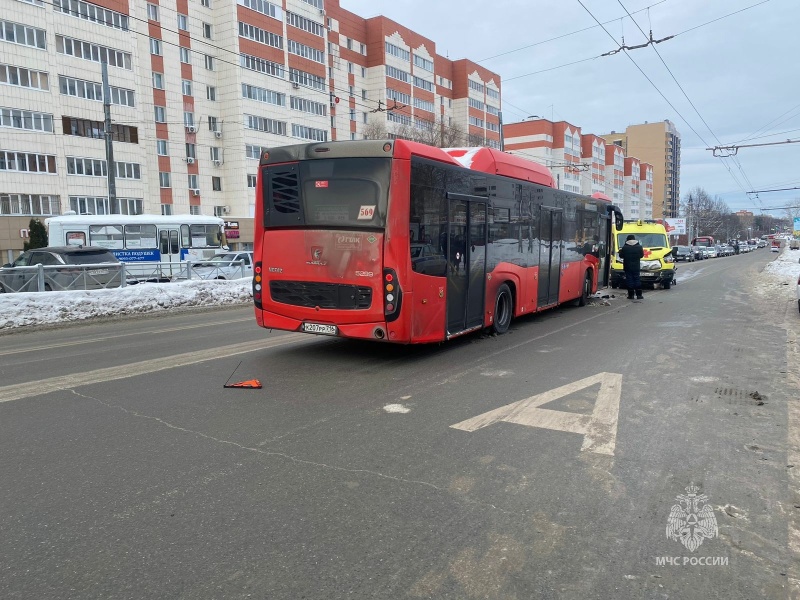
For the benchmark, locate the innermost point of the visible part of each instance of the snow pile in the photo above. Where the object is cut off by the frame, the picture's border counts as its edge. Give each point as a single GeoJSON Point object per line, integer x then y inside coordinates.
{"type": "Point", "coordinates": [47, 308]}
{"type": "Point", "coordinates": [786, 267]}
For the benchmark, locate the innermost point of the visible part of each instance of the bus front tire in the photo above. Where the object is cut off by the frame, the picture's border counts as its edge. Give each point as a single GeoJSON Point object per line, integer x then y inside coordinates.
{"type": "Point", "coordinates": [586, 291]}
{"type": "Point", "coordinates": [503, 310]}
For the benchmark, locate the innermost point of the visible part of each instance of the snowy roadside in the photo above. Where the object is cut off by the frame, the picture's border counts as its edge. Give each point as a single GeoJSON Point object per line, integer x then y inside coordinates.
{"type": "Point", "coordinates": [51, 308]}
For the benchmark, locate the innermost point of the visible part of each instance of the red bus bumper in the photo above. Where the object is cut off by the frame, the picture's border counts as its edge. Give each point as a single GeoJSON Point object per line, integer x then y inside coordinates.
{"type": "Point", "coordinates": [375, 331]}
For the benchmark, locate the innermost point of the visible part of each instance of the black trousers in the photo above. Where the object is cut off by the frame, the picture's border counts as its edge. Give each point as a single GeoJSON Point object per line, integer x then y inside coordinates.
{"type": "Point", "coordinates": [632, 280]}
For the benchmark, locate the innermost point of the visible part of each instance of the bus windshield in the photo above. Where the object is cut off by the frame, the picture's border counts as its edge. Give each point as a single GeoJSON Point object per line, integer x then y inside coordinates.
{"type": "Point", "coordinates": [647, 240]}
{"type": "Point", "coordinates": [341, 192]}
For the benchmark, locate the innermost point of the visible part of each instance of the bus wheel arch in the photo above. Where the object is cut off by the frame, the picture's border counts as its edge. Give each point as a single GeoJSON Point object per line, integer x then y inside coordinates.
{"type": "Point", "coordinates": [586, 289]}
{"type": "Point", "coordinates": [503, 308]}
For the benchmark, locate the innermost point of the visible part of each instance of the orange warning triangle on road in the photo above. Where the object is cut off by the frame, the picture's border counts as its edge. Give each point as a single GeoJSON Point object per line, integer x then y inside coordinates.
{"type": "Point", "coordinates": [250, 383]}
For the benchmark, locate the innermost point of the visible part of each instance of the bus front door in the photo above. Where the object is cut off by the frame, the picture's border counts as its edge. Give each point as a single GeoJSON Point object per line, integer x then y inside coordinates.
{"type": "Point", "coordinates": [549, 256]}
{"type": "Point", "coordinates": [466, 265]}
{"type": "Point", "coordinates": [170, 253]}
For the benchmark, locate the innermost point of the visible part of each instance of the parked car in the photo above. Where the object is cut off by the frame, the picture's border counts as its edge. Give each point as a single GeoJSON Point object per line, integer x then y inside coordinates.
{"type": "Point", "coordinates": [684, 253]}
{"type": "Point", "coordinates": [231, 265]}
{"type": "Point", "coordinates": [64, 269]}
{"type": "Point", "coordinates": [710, 251]}
{"type": "Point", "coordinates": [698, 253]}
{"type": "Point", "coordinates": [762, 244]}
{"type": "Point", "coordinates": [427, 260]}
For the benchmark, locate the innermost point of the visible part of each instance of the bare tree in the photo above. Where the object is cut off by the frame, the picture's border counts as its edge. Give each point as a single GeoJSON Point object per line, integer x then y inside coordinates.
{"type": "Point", "coordinates": [432, 133]}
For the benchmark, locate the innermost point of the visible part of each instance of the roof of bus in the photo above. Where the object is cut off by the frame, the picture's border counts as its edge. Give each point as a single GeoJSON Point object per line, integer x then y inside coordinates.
{"type": "Point", "coordinates": [601, 196]}
{"type": "Point", "coordinates": [135, 219]}
{"type": "Point", "coordinates": [495, 162]}
{"type": "Point", "coordinates": [485, 160]}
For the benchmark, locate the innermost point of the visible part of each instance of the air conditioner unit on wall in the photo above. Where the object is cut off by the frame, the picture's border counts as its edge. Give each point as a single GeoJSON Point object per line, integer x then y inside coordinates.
{"type": "Point", "coordinates": [226, 210]}
{"type": "Point", "coordinates": [190, 160]}
{"type": "Point", "coordinates": [296, 85]}
{"type": "Point", "coordinates": [191, 129]}
{"type": "Point", "coordinates": [217, 134]}
{"type": "Point", "coordinates": [195, 192]}
{"type": "Point", "coordinates": [217, 163]}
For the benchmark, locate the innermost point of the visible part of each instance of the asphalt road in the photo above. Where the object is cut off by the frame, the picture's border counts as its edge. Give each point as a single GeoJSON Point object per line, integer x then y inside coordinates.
{"type": "Point", "coordinates": [545, 463]}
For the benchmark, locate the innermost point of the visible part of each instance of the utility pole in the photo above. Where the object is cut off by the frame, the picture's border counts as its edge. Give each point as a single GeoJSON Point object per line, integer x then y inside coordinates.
{"type": "Point", "coordinates": [110, 165]}
{"type": "Point", "coordinates": [502, 137]}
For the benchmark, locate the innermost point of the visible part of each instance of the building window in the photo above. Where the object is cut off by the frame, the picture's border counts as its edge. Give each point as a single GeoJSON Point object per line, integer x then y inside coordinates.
{"type": "Point", "coordinates": [254, 152]}
{"type": "Point", "coordinates": [23, 35]}
{"type": "Point", "coordinates": [307, 79]}
{"type": "Point", "coordinates": [423, 104]}
{"type": "Point", "coordinates": [162, 147]}
{"type": "Point", "coordinates": [315, 3]}
{"type": "Point", "coordinates": [363, 71]}
{"type": "Point", "coordinates": [305, 24]}
{"type": "Point", "coordinates": [183, 22]}
{"type": "Point", "coordinates": [93, 52]}
{"type": "Point", "coordinates": [164, 179]}
{"type": "Point", "coordinates": [185, 55]}
{"type": "Point", "coordinates": [89, 12]}
{"type": "Point", "coordinates": [21, 77]}
{"type": "Point", "coordinates": [152, 12]}
{"type": "Point", "coordinates": [251, 32]}
{"type": "Point", "coordinates": [192, 179]}
{"type": "Point", "coordinates": [363, 94]}
{"type": "Point", "coordinates": [86, 167]}
{"type": "Point", "coordinates": [215, 154]}
{"type": "Point", "coordinates": [398, 96]}
{"type": "Point", "coordinates": [158, 81]}
{"type": "Point", "coordinates": [261, 65]}
{"type": "Point", "coordinates": [186, 87]}
{"type": "Point", "coordinates": [166, 210]}
{"type": "Point", "coordinates": [306, 51]}
{"type": "Point", "coordinates": [475, 103]}
{"type": "Point", "coordinates": [364, 49]}
{"type": "Point", "coordinates": [397, 51]}
{"type": "Point", "coordinates": [191, 150]}
{"type": "Point", "coordinates": [265, 8]}
{"type": "Point", "coordinates": [209, 62]}
{"type": "Point", "coordinates": [263, 95]}
{"type": "Point", "coordinates": [264, 124]}
{"type": "Point", "coordinates": [188, 118]}
{"type": "Point", "coordinates": [216, 184]}
{"type": "Point", "coordinates": [423, 63]}
{"type": "Point", "coordinates": [206, 3]}
{"type": "Point", "coordinates": [423, 83]}
{"type": "Point", "coordinates": [155, 47]}
{"type": "Point", "coordinates": [26, 119]}
{"type": "Point", "coordinates": [128, 170]}
{"type": "Point", "coordinates": [211, 93]}
{"type": "Point", "coordinates": [207, 31]}
{"type": "Point", "coordinates": [29, 204]}
{"type": "Point", "coordinates": [26, 162]}
{"type": "Point", "coordinates": [251, 181]}
{"type": "Point", "coordinates": [160, 114]}
{"type": "Point", "coordinates": [212, 123]}
{"type": "Point", "coordinates": [94, 91]}
{"type": "Point", "coordinates": [309, 133]}
{"type": "Point", "coordinates": [349, 67]}
{"type": "Point", "coordinates": [96, 130]}
{"type": "Point", "coordinates": [194, 209]}
{"type": "Point", "coordinates": [396, 74]}
{"type": "Point", "coordinates": [308, 106]}
{"type": "Point", "coordinates": [352, 114]}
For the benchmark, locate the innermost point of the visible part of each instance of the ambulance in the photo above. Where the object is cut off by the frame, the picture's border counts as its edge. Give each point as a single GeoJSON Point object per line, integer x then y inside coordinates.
{"type": "Point", "coordinates": [658, 265]}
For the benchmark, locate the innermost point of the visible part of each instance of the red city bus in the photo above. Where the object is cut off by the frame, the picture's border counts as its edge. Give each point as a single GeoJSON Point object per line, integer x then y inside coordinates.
{"type": "Point", "coordinates": [402, 242]}
{"type": "Point", "coordinates": [706, 241]}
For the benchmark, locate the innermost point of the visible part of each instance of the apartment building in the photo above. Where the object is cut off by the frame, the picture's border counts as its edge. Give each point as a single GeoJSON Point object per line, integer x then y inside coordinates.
{"type": "Point", "coordinates": [585, 163]}
{"type": "Point", "coordinates": [658, 144]}
{"type": "Point", "coordinates": [197, 92]}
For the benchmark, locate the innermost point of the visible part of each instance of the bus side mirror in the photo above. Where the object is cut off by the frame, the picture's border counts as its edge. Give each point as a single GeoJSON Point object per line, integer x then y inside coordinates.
{"type": "Point", "coordinates": [674, 252]}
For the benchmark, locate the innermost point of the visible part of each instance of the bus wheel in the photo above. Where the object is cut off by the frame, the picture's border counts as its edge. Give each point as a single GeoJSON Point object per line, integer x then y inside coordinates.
{"type": "Point", "coordinates": [586, 292]}
{"type": "Point", "coordinates": [503, 310]}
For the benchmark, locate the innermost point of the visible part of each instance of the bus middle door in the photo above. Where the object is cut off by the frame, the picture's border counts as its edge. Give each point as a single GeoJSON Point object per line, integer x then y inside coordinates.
{"type": "Point", "coordinates": [170, 252]}
{"type": "Point", "coordinates": [466, 264]}
{"type": "Point", "coordinates": [550, 234]}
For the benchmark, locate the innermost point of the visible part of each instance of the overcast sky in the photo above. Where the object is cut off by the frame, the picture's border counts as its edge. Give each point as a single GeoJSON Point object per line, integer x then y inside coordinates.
{"type": "Point", "coordinates": [741, 73]}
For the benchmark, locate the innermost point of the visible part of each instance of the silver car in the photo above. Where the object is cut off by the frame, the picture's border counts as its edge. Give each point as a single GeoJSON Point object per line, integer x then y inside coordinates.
{"type": "Point", "coordinates": [231, 265]}
{"type": "Point", "coordinates": [63, 268]}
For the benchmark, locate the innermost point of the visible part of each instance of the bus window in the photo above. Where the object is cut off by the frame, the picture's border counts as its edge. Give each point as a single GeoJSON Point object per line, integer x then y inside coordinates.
{"type": "Point", "coordinates": [169, 242]}
{"type": "Point", "coordinates": [205, 236]}
{"type": "Point", "coordinates": [140, 236]}
{"type": "Point", "coordinates": [186, 239]}
{"type": "Point", "coordinates": [76, 238]}
{"type": "Point", "coordinates": [106, 236]}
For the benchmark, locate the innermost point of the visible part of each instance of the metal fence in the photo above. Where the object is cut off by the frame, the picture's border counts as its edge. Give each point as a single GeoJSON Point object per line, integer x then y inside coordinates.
{"type": "Point", "coordinates": [40, 278]}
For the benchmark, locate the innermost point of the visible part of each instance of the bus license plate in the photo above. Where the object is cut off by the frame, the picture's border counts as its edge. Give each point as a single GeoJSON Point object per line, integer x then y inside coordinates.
{"type": "Point", "coordinates": [319, 328]}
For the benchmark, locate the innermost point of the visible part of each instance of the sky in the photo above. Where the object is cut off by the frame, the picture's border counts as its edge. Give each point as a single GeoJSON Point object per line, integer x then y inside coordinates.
{"type": "Point", "coordinates": [24, 310]}
{"type": "Point", "coordinates": [737, 78]}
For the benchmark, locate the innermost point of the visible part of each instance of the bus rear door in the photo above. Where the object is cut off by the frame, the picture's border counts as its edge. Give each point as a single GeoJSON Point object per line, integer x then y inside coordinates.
{"type": "Point", "coordinates": [466, 265]}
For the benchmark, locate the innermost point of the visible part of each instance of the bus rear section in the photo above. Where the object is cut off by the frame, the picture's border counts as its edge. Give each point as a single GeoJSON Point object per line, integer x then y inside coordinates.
{"type": "Point", "coordinates": [320, 264]}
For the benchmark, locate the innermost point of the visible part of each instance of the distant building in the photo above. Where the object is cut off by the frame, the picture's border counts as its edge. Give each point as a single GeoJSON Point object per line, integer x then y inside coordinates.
{"type": "Point", "coordinates": [660, 145]}
{"type": "Point", "coordinates": [585, 163]}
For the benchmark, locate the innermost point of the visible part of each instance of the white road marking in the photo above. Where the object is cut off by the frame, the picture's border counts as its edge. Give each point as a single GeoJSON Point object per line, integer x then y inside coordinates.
{"type": "Point", "coordinates": [44, 386]}
{"type": "Point", "coordinates": [599, 430]}
{"type": "Point", "coordinates": [396, 408]}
